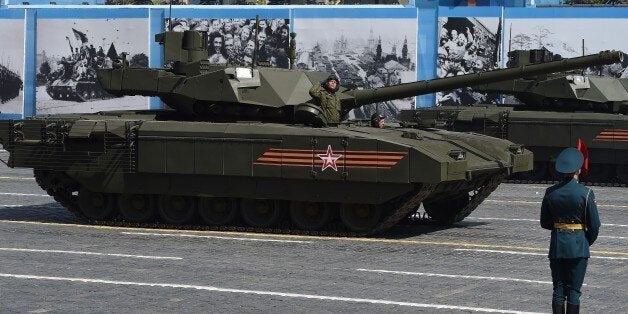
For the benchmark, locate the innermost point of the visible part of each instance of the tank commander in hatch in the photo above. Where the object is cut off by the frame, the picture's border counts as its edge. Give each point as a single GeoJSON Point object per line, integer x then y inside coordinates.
{"type": "Point", "coordinates": [570, 211]}
{"type": "Point", "coordinates": [377, 121]}
{"type": "Point", "coordinates": [324, 95]}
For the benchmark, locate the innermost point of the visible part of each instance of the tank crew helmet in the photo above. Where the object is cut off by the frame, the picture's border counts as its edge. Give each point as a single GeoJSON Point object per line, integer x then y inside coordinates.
{"type": "Point", "coordinates": [375, 120]}
{"type": "Point", "coordinates": [569, 161]}
{"type": "Point", "coordinates": [326, 84]}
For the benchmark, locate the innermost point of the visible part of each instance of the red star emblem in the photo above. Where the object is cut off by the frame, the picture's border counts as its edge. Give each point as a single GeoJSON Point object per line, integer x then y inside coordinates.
{"type": "Point", "coordinates": [329, 159]}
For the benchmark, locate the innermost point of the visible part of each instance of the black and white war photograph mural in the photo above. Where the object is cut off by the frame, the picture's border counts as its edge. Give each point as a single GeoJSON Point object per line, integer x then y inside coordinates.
{"type": "Point", "coordinates": [11, 66]}
{"type": "Point", "coordinates": [467, 45]}
{"type": "Point", "coordinates": [70, 51]}
{"type": "Point", "coordinates": [366, 53]}
{"type": "Point", "coordinates": [232, 41]}
{"type": "Point", "coordinates": [569, 38]}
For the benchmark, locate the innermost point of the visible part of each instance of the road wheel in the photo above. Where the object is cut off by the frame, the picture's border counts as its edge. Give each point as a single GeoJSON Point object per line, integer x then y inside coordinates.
{"type": "Point", "coordinates": [261, 213]}
{"type": "Point", "coordinates": [136, 207]}
{"type": "Point", "coordinates": [445, 209]}
{"type": "Point", "coordinates": [218, 211]}
{"type": "Point", "coordinates": [309, 215]}
{"type": "Point", "coordinates": [96, 205]}
{"type": "Point", "coordinates": [177, 209]}
{"type": "Point", "coordinates": [360, 217]}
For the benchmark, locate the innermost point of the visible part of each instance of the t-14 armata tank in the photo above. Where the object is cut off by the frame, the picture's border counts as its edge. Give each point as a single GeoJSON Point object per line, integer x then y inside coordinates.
{"type": "Point", "coordinates": [556, 111]}
{"type": "Point", "coordinates": [286, 167]}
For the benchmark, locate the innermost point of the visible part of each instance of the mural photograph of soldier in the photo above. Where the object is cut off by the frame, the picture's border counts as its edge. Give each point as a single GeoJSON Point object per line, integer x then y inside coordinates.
{"type": "Point", "coordinates": [11, 64]}
{"type": "Point", "coordinates": [370, 54]}
{"type": "Point", "coordinates": [232, 41]}
{"type": "Point", "coordinates": [70, 52]}
{"type": "Point", "coordinates": [467, 45]}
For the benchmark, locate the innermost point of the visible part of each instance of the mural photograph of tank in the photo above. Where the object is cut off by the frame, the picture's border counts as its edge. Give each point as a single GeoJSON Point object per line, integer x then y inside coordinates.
{"type": "Point", "coordinates": [11, 64]}
{"type": "Point", "coordinates": [10, 84]}
{"type": "Point", "coordinates": [69, 53]}
{"type": "Point", "coordinates": [287, 167]}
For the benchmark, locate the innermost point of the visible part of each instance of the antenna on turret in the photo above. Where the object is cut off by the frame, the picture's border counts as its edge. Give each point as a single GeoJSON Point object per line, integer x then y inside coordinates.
{"type": "Point", "coordinates": [510, 38]}
{"type": "Point", "coordinates": [583, 47]}
{"type": "Point", "coordinates": [255, 42]}
{"type": "Point", "coordinates": [582, 55]}
{"type": "Point", "coordinates": [170, 16]}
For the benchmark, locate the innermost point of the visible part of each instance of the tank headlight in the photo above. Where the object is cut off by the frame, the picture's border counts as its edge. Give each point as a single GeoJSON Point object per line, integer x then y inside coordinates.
{"type": "Point", "coordinates": [516, 149]}
{"type": "Point", "coordinates": [457, 154]}
{"type": "Point", "coordinates": [578, 79]}
{"type": "Point", "coordinates": [244, 73]}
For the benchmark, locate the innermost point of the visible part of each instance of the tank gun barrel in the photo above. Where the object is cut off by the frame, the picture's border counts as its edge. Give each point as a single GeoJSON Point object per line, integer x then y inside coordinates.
{"type": "Point", "coordinates": [367, 96]}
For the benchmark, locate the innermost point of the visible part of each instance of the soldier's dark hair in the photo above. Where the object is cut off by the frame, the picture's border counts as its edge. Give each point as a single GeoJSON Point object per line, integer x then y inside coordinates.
{"type": "Point", "coordinates": [332, 78]}
{"type": "Point", "coordinates": [375, 118]}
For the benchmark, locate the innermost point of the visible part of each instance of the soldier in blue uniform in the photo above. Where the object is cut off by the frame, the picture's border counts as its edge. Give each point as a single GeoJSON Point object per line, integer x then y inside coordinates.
{"type": "Point", "coordinates": [570, 211]}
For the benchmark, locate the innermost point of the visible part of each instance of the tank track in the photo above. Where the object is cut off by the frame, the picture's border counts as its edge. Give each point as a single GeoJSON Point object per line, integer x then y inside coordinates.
{"type": "Point", "coordinates": [62, 189]}
{"type": "Point", "coordinates": [59, 187]}
{"type": "Point", "coordinates": [479, 196]}
{"type": "Point", "coordinates": [405, 207]}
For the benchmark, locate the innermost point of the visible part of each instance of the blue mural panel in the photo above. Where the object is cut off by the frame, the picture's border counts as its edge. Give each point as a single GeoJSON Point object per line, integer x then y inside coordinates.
{"type": "Point", "coordinates": [597, 26]}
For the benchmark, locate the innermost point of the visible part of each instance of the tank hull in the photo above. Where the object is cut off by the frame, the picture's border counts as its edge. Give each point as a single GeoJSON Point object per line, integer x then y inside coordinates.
{"type": "Point", "coordinates": [545, 133]}
{"type": "Point", "coordinates": [90, 160]}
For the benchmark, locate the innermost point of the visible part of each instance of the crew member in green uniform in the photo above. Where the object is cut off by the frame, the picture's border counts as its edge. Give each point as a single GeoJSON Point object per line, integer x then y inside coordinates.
{"type": "Point", "coordinates": [570, 211]}
{"type": "Point", "coordinates": [325, 95]}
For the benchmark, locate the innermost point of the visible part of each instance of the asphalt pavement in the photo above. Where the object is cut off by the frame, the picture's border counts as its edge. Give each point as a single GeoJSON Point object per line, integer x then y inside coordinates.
{"type": "Point", "coordinates": [493, 261]}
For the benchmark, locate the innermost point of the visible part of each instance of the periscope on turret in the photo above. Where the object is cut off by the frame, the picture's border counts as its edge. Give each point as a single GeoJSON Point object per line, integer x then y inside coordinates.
{"type": "Point", "coordinates": [201, 160]}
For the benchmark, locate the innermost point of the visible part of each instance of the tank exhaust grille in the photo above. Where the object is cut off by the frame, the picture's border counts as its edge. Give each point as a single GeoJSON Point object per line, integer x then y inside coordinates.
{"type": "Point", "coordinates": [47, 145]}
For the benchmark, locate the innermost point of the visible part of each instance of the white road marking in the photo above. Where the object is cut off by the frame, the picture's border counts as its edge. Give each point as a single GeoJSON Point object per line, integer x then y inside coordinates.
{"type": "Point", "coordinates": [89, 253]}
{"type": "Point", "coordinates": [599, 205]}
{"type": "Point", "coordinates": [451, 276]}
{"type": "Point", "coordinates": [505, 219]}
{"type": "Point", "coordinates": [16, 178]}
{"type": "Point", "coordinates": [611, 237]}
{"type": "Point", "coordinates": [267, 293]}
{"type": "Point", "coordinates": [213, 237]}
{"type": "Point", "coordinates": [312, 239]}
{"type": "Point", "coordinates": [25, 194]}
{"type": "Point", "coordinates": [615, 225]}
{"type": "Point", "coordinates": [532, 220]}
{"type": "Point", "coordinates": [530, 253]}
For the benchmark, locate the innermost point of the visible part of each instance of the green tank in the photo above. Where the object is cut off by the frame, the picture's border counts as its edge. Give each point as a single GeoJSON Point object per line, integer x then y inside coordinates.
{"type": "Point", "coordinates": [249, 147]}
{"type": "Point", "coordinates": [556, 110]}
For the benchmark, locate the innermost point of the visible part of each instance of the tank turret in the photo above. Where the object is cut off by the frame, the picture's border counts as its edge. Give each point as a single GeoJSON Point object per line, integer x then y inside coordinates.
{"type": "Point", "coordinates": [197, 88]}
{"type": "Point", "coordinates": [564, 92]}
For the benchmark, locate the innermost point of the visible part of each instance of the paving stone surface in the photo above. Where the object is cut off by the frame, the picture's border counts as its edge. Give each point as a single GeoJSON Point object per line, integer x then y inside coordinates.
{"type": "Point", "coordinates": [493, 260]}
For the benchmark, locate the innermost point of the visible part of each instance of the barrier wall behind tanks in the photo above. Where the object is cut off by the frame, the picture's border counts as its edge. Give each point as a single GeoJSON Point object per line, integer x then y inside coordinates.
{"type": "Point", "coordinates": [343, 39]}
